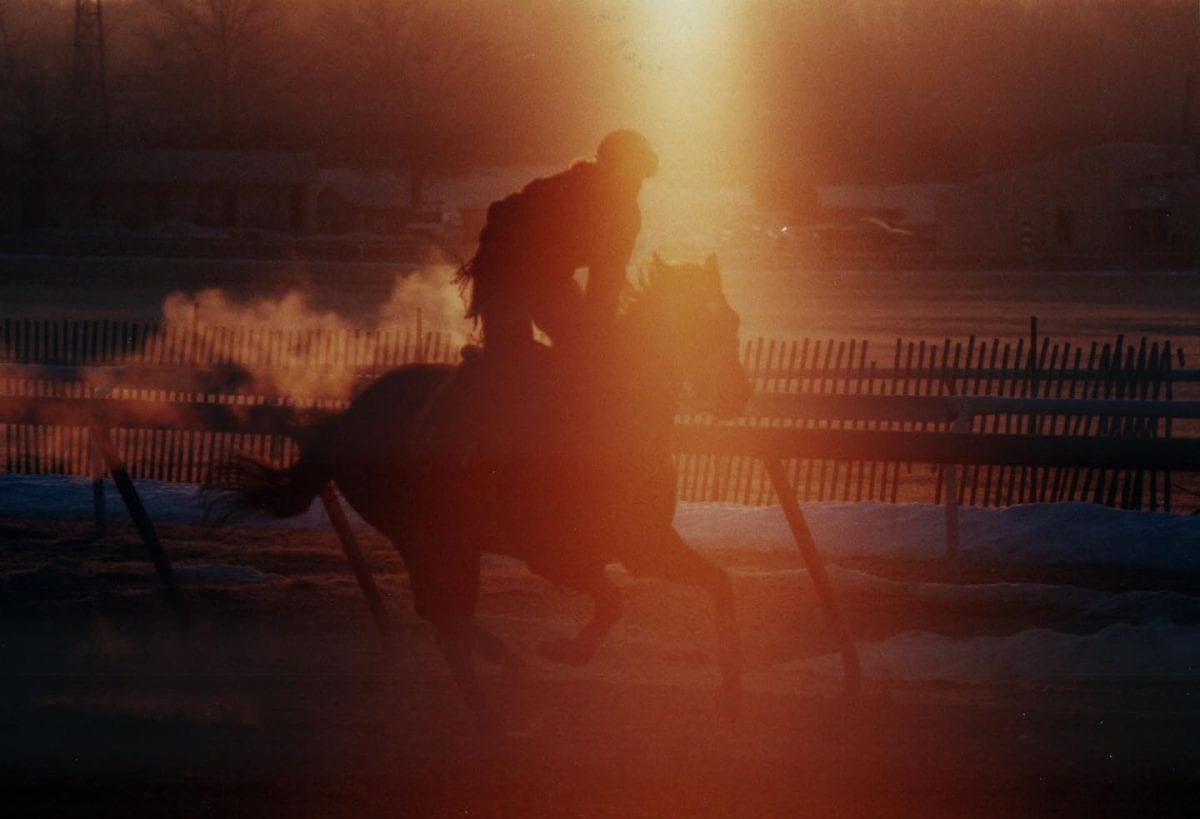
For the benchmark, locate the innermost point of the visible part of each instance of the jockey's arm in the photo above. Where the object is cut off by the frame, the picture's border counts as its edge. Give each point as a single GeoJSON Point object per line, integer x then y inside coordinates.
{"type": "Point", "coordinates": [606, 275]}
{"type": "Point", "coordinates": [603, 291]}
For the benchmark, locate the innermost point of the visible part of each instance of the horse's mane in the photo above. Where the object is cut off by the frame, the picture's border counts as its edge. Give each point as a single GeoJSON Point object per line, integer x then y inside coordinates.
{"type": "Point", "coordinates": [655, 280]}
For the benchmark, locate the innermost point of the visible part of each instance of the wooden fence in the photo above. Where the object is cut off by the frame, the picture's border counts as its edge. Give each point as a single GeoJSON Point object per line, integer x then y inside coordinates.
{"type": "Point", "coordinates": [170, 367]}
{"type": "Point", "coordinates": [1023, 368]}
{"type": "Point", "coordinates": [200, 345]}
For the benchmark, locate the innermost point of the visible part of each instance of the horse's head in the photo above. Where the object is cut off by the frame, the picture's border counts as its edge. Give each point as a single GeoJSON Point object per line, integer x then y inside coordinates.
{"type": "Point", "coordinates": [695, 330]}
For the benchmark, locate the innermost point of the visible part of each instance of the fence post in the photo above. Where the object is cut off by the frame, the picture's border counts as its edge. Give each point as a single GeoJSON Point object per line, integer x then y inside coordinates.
{"type": "Point", "coordinates": [419, 352]}
{"type": "Point", "coordinates": [97, 462]}
{"type": "Point", "coordinates": [962, 423]}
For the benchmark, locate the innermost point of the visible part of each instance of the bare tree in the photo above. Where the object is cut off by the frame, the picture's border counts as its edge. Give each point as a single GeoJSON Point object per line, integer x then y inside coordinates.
{"type": "Point", "coordinates": [215, 65]}
{"type": "Point", "coordinates": [33, 106]}
{"type": "Point", "coordinates": [419, 68]}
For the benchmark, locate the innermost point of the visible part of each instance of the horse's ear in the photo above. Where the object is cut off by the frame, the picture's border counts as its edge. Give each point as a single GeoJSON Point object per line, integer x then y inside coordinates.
{"type": "Point", "coordinates": [657, 261]}
{"type": "Point", "coordinates": [710, 264]}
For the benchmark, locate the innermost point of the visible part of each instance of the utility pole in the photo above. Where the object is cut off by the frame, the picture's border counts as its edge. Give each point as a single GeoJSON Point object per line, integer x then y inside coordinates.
{"type": "Point", "coordinates": [89, 104]}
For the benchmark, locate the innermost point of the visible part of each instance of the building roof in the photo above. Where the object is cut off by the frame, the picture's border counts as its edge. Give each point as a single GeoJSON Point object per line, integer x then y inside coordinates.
{"type": "Point", "coordinates": [1126, 160]}
{"type": "Point", "coordinates": [202, 167]}
{"type": "Point", "coordinates": [366, 189]}
{"type": "Point", "coordinates": [917, 202]}
{"type": "Point", "coordinates": [482, 186]}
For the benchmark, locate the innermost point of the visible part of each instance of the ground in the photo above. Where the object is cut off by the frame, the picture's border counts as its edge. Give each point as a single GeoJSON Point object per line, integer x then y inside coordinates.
{"type": "Point", "coordinates": [278, 700]}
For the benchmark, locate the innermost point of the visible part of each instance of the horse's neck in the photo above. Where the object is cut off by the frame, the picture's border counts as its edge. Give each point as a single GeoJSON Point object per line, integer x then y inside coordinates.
{"type": "Point", "coordinates": [642, 370]}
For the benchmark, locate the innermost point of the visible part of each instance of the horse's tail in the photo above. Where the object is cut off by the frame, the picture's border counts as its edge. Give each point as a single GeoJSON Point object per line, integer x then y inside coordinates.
{"type": "Point", "coordinates": [257, 485]}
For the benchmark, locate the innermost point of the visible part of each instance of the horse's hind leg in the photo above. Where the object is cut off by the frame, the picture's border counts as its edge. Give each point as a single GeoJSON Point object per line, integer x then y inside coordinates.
{"type": "Point", "coordinates": [674, 560]}
{"type": "Point", "coordinates": [496, 651]}
{"type": "Point", "coordinates": [460, 637]}
{"type": "Point", "coordinates": [582, 647]}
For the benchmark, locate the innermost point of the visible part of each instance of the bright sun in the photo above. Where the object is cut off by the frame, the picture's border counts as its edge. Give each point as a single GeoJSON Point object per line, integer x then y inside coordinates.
{"type": "Point", "coordinates": [685, 67]}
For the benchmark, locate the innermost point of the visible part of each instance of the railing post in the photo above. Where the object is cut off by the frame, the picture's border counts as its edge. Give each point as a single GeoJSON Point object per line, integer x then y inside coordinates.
{"type": "Point", "coordinates": [97, 464]}
{"type": "Point", "coordinates": [962, 423]}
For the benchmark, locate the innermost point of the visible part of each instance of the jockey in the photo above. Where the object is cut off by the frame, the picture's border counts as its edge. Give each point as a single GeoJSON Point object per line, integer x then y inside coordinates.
{"type": "Point", "coordinates": [533, 242]}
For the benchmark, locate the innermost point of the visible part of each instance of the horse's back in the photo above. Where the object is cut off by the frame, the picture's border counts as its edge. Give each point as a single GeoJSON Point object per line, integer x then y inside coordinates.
{"type": "Point", "coordinates": [448, 458]}
{"type": "Point", "coordinates": [373, 461]}
{"type": "Point", "coordinates": [409, 386]}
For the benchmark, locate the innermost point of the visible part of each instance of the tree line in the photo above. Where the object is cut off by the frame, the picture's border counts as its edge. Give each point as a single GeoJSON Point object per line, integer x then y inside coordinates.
{"type": "Point", "coordinates": [941, 90]}
{"type": "Point", "coordinates": [824, 91]}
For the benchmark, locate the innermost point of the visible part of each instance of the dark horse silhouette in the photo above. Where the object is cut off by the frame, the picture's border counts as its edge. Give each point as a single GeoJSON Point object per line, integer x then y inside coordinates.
{"type": "Point", "coordinates": [562, 460]}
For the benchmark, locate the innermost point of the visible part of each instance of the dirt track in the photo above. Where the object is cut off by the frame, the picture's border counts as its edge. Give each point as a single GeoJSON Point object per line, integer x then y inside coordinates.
{"type": "Point", "coordinates": [280, 702]}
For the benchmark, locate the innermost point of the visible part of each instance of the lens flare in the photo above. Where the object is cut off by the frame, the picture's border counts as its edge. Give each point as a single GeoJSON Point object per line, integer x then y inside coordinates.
{"type": "Point", "coordinates": [686, 66]}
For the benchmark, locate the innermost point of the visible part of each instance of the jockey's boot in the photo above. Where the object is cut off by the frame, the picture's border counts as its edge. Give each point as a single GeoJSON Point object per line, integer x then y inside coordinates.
{"type": "Point", "coordinates": [500, 388]}
{"type": "Point", "coordinates": [515, 364]}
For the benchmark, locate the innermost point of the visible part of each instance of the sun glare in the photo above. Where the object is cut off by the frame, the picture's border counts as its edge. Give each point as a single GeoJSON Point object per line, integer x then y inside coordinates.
{"type": "Point", "coordinates": [685, 66]}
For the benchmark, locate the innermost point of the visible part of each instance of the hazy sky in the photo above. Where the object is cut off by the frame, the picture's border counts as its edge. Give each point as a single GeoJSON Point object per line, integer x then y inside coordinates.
{"type": "Point", "coordinates": [809, 91]}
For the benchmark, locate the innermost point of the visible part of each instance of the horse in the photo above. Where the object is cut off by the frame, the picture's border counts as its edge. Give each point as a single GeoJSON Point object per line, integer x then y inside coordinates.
{"type": "Point", "coordinates": [561, 459]}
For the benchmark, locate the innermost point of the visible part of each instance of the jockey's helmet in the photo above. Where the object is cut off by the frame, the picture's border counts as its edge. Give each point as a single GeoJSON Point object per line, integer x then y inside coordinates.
{"type": "Point", "coordinates": [627, 148]}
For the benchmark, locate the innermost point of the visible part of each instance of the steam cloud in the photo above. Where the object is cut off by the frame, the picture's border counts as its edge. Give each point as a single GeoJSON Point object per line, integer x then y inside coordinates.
{"type": "Point", "coordinates": [277, 338]}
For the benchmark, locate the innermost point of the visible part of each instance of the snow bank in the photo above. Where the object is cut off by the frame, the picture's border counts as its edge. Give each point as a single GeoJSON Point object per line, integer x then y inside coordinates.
{"type": "Point", "coordinates": [1035, 534]}
{"type": "Point", "coordinates": [1141, 633]}
{"type": "Point", "coordinates": [1158, 649]}
{"type": "Point", "coordinates": [1038, 534]}
{"type": "Point", "coordinates": [70, 498]}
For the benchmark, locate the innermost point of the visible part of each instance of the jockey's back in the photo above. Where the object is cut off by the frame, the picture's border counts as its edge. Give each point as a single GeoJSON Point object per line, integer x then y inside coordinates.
{"type": "Point", "coordinates": [535, 240]}
{"type": "Point", "coordinates": [557, 224]}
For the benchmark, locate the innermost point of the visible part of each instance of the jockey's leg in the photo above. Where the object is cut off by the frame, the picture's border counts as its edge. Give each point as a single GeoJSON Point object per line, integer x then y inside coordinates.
{"type": "Point", "coordinates": [582, 647]}
{"type": "Point", "coordinates": [668, 557]}
{"type": "Point", "coordinates": [506, 323]}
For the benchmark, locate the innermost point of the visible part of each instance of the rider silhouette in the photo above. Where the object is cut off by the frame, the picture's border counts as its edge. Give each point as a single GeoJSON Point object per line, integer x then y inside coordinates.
{"type": "Point", "coordinates": [533, 242]}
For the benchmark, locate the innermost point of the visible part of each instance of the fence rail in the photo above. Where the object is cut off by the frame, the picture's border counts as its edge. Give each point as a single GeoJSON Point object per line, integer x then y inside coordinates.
{"type": "Point", "coordinates": [85, 342]}
{"type": "Point", "coordinates": [191, 395]}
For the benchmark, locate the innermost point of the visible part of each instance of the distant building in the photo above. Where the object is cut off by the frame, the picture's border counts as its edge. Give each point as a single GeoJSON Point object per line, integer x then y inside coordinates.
{"type": "Point", "coordinates": [369, 200]}
{"type": "Point", "coordinates": [468, 194]}
{"type": "Point", "coordinates": [1114, 200]}
{"type": "Point", "coordinates": [211, 194]}
{"type": "Point", "coordinates": [250, 190]}
{"type": "Point", "coordinates": [354, 200]}
{"type": "Point", "coordinates": [913, 206]}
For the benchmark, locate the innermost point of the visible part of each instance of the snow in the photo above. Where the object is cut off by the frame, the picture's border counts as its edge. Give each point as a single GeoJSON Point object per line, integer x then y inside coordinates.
{"type": "Point", "coordinates": [1043, 534]}
{"type": "Point", "coordinates": [71, 498]}
{"type": "Point", "coordinates": [1155, 650]}
{"type": "Point", "coordinates": [1038, 534]}
{"type": "Point", "coordinates": [1146, 632]}
{"type": "Point", "coordinates": [219, 573]}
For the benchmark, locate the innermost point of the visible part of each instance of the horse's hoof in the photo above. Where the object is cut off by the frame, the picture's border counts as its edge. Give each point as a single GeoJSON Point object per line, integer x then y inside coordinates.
{"type": "Point", "coordinates": [568, 652]}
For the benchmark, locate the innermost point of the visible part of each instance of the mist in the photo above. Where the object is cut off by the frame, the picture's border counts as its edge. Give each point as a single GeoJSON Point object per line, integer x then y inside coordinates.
{"type": "Point", "coordinates": [278, 359]}
{"type": "Point", "coordinates": [781, 94]}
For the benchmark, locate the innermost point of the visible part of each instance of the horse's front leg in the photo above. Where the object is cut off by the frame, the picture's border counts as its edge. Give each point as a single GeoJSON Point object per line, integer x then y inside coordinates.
{"type": "Point", "coordinates": [670, 558]}
{"type": "Point", "coordinates": [457, 638]}
{"type": "Point", "coordinates": [445, 586]}
{"type": "Point", "coordinates": [582, 647]}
